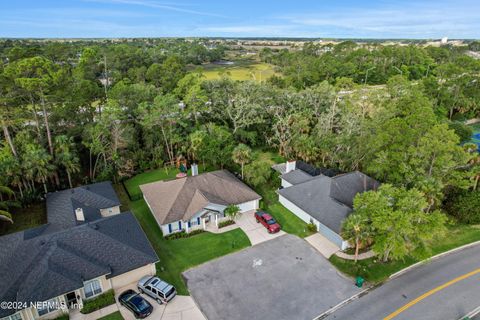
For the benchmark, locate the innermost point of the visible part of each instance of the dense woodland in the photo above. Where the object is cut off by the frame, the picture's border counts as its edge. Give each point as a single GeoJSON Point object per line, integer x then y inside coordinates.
{"type": "Point", "coordinates": [86, 111]}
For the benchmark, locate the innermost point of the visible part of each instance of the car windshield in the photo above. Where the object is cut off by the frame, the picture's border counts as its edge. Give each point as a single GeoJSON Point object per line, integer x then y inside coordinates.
{"type": "Point", "coordinates": [170, 292]}
{"type": "Point", "coordinates": [271, 221]}
{"type": "Point", "coordinates": [140, 303]}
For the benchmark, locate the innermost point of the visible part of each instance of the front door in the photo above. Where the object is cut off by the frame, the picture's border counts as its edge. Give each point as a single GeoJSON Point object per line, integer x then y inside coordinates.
{"type": "Point", "coordinates": [71, 299]}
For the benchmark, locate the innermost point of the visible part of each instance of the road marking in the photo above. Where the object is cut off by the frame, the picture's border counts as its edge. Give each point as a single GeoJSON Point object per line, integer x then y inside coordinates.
{"type": "Point", "coordinates": [429, 293]}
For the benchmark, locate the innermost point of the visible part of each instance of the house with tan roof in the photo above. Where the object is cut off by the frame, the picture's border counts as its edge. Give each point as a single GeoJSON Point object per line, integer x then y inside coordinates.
{"type": "Point", "coordinates": [197, 201]}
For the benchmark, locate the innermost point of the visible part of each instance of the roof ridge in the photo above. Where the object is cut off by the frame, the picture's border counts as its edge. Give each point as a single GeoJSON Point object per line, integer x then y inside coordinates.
{"type": "Point", "coordinates": [95, 195]}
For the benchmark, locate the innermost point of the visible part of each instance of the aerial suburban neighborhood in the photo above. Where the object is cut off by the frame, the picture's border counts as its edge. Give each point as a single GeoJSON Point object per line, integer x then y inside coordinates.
{"type": "Point", "coordinates": [239, 160]}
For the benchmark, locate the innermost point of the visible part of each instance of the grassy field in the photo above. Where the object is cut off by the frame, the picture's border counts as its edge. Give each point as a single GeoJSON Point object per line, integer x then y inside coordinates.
{"type": "Point", "coordinates": [375, 271]}
{"type": "Point", "coordinates": [113, 316]}
{"type": "Point", "coordinates": [25, 218]}
{"type": "Point", "coordinates": [179, 255]}
{"type": "Point", "coordinates": [253, 71]}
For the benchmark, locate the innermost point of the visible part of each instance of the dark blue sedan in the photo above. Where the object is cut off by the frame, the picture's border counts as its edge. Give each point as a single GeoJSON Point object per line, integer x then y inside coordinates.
{"type": "Point", "coordinates": [140, 307]}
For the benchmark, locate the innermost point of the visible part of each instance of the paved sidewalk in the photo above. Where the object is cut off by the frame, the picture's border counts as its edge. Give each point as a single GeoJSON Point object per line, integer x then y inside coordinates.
{"type": "Point", "coordinates": [322, 245]}
{"type": "Point", "coordinates": [76, 315]}
{"type": "Point", "coordinates": [256, 232]}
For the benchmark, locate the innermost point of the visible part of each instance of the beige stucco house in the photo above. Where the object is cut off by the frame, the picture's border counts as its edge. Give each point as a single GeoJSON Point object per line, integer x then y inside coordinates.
{"type": "Point", "coordinates": [87, 248]}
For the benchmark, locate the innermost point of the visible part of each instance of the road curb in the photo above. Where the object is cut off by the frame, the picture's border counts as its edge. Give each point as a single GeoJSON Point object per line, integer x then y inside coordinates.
{"type": "Point", "coordinates": [415, 265]}
{"type": "Point", "coordinates": [472, 313]}
{"type": "Point", "coordinates": [344, 302]}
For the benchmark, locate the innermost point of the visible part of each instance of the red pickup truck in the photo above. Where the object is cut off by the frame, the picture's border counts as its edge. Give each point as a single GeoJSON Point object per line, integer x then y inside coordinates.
{"type": "Point", "coordinates": [268, 221]}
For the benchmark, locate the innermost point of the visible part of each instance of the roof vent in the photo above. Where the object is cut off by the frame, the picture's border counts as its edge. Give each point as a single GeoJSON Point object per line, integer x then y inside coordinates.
{"type": "Point", "coordinates": [79, 214]}
{"type": "Point", "coordinates": [95, 226]}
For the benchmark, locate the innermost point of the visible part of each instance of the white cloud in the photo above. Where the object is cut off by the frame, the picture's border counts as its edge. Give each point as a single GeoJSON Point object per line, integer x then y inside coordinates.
{"type": "Point", "coordinates": [159, 5]}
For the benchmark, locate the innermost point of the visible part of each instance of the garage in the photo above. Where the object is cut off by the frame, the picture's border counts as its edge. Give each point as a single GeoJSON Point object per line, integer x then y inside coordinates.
{"type": "Point", "coordinates": [280, 279]}
{"type": "Point", "coordinates": [248, 206]}
{"type": "Point", "coordinates": [132, 276]}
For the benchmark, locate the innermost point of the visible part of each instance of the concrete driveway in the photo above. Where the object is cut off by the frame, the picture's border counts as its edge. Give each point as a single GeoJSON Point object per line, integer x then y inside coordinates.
{"type": "Point", "coordinates": [281, 279]}
{"type": "Point", "coordinates": [256, 232]}
{"type": "Point", "coordinates": [180, 308]}
{"type": "Point", "coordinates": [322, 244]}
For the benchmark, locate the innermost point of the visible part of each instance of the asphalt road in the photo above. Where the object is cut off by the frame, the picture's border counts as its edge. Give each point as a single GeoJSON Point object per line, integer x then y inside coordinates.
{"type": "Point", "coordinates": [447, 288]}
{"type": "Point", "coordinates": [281, 279]}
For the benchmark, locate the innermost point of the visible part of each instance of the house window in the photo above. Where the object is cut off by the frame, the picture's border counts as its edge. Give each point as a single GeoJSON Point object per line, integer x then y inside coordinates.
{"type": "Point", "coordinates": [92, 288]}
{"type": "Point", "coordinates": [16, 316]}
{"type": "Point", "coordinates": [47, 306]}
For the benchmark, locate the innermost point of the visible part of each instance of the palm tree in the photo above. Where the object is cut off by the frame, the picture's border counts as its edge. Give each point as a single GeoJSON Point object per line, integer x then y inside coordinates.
{"type": "Point", "coordinates": [356, 230]}
{"type": "Point", "coordinates": [4, 204]}
{"type": "Point", "coordinates": [66, 157]}
{"type": "Point", "coordinates": [241, 155]}
{"type": "Point", "coordinates": [231, 211]}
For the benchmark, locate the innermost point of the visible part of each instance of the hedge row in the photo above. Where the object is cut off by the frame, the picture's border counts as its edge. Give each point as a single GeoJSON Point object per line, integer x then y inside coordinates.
{"type": "Point", "coordinates": [101, 301]}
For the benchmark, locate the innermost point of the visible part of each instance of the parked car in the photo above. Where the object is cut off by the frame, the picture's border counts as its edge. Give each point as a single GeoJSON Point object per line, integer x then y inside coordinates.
{"type": "Point", "coordinates": [134, 302]}
{"type": "Point", "coordinates": [156, 288]}
{"type": "Point", "coordinates": [268, 221]}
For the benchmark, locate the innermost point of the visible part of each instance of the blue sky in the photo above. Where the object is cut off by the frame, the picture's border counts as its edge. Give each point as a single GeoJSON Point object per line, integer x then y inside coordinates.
{"type": "Point", "coordinates": [243, 18]}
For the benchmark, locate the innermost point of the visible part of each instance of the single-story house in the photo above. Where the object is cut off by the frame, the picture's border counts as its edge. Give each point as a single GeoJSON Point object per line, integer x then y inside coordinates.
{"type": "Point", "coordinates": [323, 200]}
{"type": "Point", "coordinates": [86, 248]}
{"type": "Point", "coordinates": [196, 201]}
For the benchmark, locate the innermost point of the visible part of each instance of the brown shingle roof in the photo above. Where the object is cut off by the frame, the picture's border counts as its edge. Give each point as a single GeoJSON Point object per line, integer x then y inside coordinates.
{"type": "Point", "coordinates": [180, 199]}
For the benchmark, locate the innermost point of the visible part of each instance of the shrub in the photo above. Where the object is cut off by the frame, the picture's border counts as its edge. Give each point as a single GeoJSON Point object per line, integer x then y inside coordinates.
{"type": "Point", "coordinates": [225, 223]}
{"type": "Point", "coordinates": [312, 227]}
{"type": "Point", "coordinates": [99, 302]}
{"type": "Point", "coordinates": [183, 234]}
{"type": "Point", "coordinates": [63, 317]}
{"type": "Point", "coordinates": [465, 206]}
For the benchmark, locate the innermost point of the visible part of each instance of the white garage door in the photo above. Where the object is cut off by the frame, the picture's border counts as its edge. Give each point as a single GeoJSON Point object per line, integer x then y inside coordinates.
{"type": "Point", "coordinates": [132, 276]}
{"type": "Point", "coordinates": [247, 206]}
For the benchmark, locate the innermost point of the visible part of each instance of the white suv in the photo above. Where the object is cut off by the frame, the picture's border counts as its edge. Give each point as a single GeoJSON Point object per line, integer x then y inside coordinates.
{"type": "Point", "coordinates": [156, 288]}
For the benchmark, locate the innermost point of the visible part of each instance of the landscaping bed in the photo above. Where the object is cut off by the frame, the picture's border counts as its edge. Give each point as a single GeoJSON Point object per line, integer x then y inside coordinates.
{"type": "Point", "coordinates": [375, 271]}
{"type": "Point", "coordinates": [226, 223]}
{"type": "Point", "coordinates": [99, 302]}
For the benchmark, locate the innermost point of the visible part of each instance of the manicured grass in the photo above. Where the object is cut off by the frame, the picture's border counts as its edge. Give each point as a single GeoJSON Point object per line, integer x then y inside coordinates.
{"type": "Point", "coordinates": [375, 271]}
{"type": "Point", "coordinates": [179, 255]}
{"type": "Point", "coordinates": [255, 71]}
{"type": "Point", "coordinates": [290, 223]}
{"type": "Point", "coordinates": [133, 184]}
{"type": "Point", "coordinates": [113, 316]}
{"type": "Point", "coordinates": [25, 218]}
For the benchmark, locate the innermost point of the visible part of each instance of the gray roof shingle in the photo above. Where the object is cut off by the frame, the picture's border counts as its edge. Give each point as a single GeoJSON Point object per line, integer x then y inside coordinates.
{"type": "Point", "coordinates": [329, 200]}
{"type": "Point", "coordinates": [42, 267]}
{"type": "Point", "coordinates": [61, 206]}
{"type": "Point", "coordinates": [297, 176]}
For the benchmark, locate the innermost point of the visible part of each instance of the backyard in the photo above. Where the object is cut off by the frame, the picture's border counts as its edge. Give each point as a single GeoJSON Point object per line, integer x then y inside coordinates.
{"type": "Point", "coordinates": [25, 218]}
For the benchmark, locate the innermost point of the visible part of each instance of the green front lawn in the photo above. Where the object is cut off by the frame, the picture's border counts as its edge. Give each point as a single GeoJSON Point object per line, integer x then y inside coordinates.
{"type": "Point", "coordinates": [112, 316]}
{"type": "Point", "coordinates": [375, 271]}
{"type": "Point", "coordinates": [179, 255]}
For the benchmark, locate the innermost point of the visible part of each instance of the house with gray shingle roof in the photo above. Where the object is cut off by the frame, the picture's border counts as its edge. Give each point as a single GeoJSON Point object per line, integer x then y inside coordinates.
{"type": "Point", "coordinates": [86, 248]}
{"type": "Point", "coordinates": [322, 200]}
{"type": "Point", "coordinates": [195, 202]}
